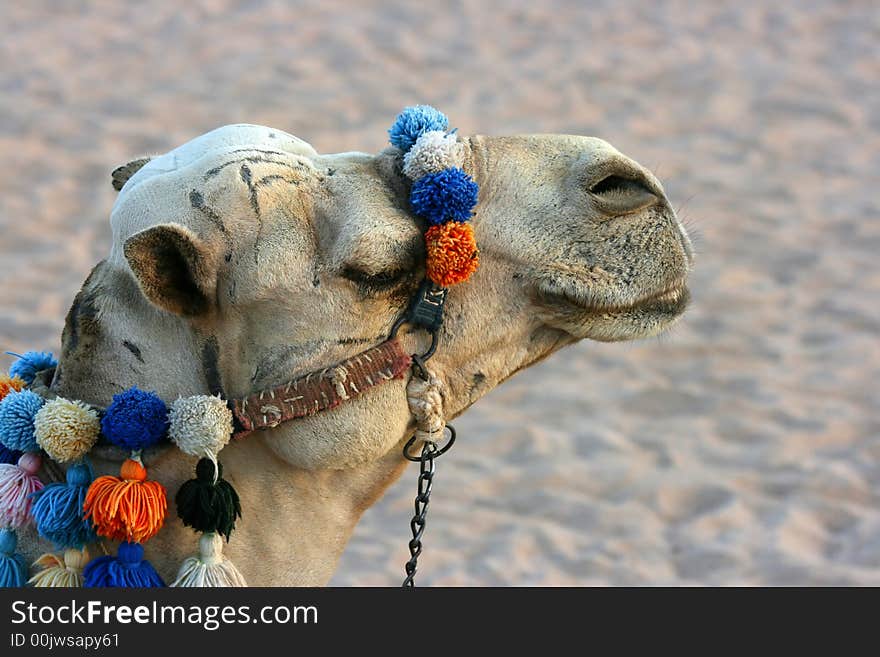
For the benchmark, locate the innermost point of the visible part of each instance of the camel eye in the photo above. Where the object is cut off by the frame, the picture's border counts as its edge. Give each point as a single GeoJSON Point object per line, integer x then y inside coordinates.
{"type": "Point", "coordinates": [378, 281]}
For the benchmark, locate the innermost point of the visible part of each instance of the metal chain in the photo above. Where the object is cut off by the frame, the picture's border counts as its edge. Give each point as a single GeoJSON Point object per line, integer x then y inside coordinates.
{"type": "Point", "coordinates": [419, 519]}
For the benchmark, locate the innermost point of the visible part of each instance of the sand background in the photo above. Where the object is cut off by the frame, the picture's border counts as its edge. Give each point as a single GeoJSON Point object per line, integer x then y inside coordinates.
{"type": "Point", "coordinates": [741, 448]}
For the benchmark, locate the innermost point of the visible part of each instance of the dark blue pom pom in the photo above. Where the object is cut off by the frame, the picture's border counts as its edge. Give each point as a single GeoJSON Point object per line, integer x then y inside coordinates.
{"type": "Point", "coordinates": [135, 419]}
{"type": "Point", "coordinates": [17, 413]}
{"type": "Point", "coordinates": [9, 455]}
{"type": "Point", "coordinates": [58, 509]}
{"type": "Point", "coordinates": [13, 567]}
{"type": "Point", "coordinates": [447, 195]}
{"type": "Point", "coordinates": [413, 122]}
{"type": "Point", "coordinates": [31, 362]}
{"type": "Point", "coordinates": [126, 569]}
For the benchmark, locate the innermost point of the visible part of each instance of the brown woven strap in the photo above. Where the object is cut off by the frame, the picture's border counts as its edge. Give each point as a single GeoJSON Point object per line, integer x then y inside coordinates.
{"type": "Point", "coordinates": [321, 390]}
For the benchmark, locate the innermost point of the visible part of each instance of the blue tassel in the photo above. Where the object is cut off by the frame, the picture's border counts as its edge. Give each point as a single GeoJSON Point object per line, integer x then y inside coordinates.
{"type": "Point", "coordinates": [31, 362]}
{"type": "Point", "coordinates": [58, 509]}
{"type": "Point", "coordinates": [413, 122]}
{"type": "Point", "coordinates": [9, 456]}
{"type": "Point", "coordinates": [127, 569]}
{"type": "Point", "coordinates": [13, 567]}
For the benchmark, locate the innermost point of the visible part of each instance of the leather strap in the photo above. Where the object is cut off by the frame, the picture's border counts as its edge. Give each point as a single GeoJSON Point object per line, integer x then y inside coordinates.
{"type": "Point", "coordinates": [320, 390]}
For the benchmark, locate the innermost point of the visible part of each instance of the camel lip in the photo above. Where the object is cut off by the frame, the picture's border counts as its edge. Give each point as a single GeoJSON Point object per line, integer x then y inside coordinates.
{"type": "Point", "coordinates": [669, 300]}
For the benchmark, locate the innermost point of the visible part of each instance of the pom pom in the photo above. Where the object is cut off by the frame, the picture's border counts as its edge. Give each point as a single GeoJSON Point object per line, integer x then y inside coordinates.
{"type": "Point", "coordinates": [452, 253]}
{"type": "Point", "coordinates": [200, 425]}
{"type": "Point", "coordinates": [17, 482]}
{"type": "Point", "coordinates": [413, 122]}
{"type": "Point", "coordinates": [135, 419]}
{"type": "Point", "coordinates": [66, 430]}
{"type": "Point", "coordinates": [58, 509]}
{"type": "Point", "coordinates": [210, 568]}
{"type": "Point", "coordinates": [432, 152]}
{"type": "Point", "coordinates": [126, 569]}
{"type": "Point", "coordinates": [9, 455]}
{"type": "Point", "coordinates": [66, 571]}
{"type": "Point", "coordinates": [449, 195]}
{"type": "Point", "coordinates": [17, 413]}
{"type": "Point", "coordinates": [126, 508]}
{"type": "Point", "coordinates": [27, 365]}
{"type": "Point", "coordinates": [207, 505]}
{"type": "Point", "coordinates": [9, 384]}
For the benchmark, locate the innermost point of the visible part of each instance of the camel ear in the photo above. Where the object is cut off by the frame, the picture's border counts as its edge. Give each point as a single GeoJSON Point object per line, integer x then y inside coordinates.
{"type": "Point", "coordinates": [175, 269]}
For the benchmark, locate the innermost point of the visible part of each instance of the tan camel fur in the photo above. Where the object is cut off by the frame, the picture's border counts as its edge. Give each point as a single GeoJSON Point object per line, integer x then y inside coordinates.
{"type": "Point", "coordinates": [245, 258]}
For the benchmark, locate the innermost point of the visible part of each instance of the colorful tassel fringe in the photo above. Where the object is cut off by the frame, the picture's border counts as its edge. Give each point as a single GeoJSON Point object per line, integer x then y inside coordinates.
{"type": "Point", "coordinates": [10, 384]}
{"type": "Point", "coordinates": [13, 567]}
{"type": "Point", "coordinates": [57, 509]}
{"type": "Point", "coordinates": [127, 569]}
{"type": "Point", "coordinates": [207, 505]}
{"type": "Point", "coordinates": [128, 507]}
{"type": "Point", "coordinates": [17, 483]}
{"type": "Point", "coordinates": [60, 571]}
{"type": "Point", "coordinates": [210, 568]}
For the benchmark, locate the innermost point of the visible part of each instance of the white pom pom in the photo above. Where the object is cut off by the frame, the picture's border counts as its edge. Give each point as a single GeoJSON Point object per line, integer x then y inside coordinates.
{"type": "Point", "coordinates": [432, 152]}
{"type": "Point", "coordinates": [200, 425]}
{"type": "Point", "coordinates": [66, 429]}
{"type": "Point", "coordinates": [210, 568]}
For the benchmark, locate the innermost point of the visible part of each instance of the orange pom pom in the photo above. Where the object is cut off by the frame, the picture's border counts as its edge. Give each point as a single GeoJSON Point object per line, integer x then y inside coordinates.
{"type": "Point", "coordinates": [452, 253]}
{"type": "Point", "coordinates": [128, 507]}
{"type": "Point", "coordinates": [8, 384]}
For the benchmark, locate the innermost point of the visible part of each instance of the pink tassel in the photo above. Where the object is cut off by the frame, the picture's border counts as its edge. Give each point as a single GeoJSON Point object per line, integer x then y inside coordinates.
{"type": "Point", "coordinates": [17, 482]}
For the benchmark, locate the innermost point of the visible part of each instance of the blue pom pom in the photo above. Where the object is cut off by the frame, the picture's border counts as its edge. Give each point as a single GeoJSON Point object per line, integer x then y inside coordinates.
{"type": "Point", "coordinates": [17, 412]}
{"type": "Point", "coordinates": [413, 122]}
{"type": "Point", "coordinates": [135, 419]}
{"type": "Point", "coordinates": [126, 569]}
{"type": "Point", "coordinates": [450, 194]}
{"type": "Point", "coordinates": [9, 456]}
{"type": "Point", "coordinates": [13, 567]}
{"type": "Point", "coordinates": [58, 509]}
{"type": "Point", "coordinates": [28, 364]}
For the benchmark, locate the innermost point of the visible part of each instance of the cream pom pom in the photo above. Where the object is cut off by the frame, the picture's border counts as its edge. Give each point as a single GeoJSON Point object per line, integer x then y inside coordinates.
{"type": "Point", "coordinates": [432, 152]}
{"type": "Point", "coordinates": [200, 425]}
{"type": "Point", "coordinates": [66, 429]}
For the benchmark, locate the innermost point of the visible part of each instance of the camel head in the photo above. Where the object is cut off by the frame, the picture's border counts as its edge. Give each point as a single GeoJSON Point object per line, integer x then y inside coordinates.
{"type": "Point", "coordinates": [244, 258]}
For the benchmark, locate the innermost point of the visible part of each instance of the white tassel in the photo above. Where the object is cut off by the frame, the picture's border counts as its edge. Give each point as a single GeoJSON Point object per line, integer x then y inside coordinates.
{"type": "Point", "coordinates": [210, 568]}
{"type": "Point", "coordinates": [61, 572]}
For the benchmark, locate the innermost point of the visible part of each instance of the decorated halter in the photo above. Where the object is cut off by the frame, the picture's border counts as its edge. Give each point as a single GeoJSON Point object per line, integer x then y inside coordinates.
{"type": "Point", "coordinates": [130, 508]}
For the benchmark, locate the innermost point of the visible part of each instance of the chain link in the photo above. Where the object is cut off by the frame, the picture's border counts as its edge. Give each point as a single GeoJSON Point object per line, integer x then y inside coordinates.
{"type": "Point", "coordinates": [419, 519]}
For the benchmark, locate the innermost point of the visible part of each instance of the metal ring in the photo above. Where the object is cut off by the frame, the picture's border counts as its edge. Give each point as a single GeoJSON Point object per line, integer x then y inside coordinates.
{"type": "Point", "coordinates": [403, 319]}
{"type": "Point", "coordinates": [436, 453]}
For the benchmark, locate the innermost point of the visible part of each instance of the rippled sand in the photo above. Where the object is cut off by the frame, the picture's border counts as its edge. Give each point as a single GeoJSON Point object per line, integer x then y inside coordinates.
{"type": "Point", "coordinates": [741, 448]}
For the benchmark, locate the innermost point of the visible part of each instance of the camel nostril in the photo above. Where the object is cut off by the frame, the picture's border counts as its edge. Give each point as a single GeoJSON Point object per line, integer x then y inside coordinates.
{"type": "Point", "coordinates": [617, 195]}
{"type": "Point", "coordinates": [616, 183]}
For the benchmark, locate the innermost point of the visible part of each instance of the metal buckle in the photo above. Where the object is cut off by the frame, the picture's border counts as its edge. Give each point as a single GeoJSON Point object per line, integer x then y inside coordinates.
{"type": "Point", "coordinates": [425, 312]}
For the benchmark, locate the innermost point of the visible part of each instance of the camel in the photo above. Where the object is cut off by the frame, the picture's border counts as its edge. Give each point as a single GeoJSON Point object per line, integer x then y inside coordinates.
{"type": "Point", "coordinates": [244, 258]}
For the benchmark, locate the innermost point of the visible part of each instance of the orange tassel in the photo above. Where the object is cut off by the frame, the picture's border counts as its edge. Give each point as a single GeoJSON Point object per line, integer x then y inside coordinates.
{"type": "Point", "coordinates": [452, 253]}
{"type": "Point", "coordinates": [10, 384]}
{"type": "Point", "coordinates": [127, 507]}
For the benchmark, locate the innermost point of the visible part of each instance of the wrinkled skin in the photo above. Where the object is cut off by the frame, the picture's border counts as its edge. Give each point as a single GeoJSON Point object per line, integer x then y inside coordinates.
{"type": "Point", "coordinates": [237, 268]}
